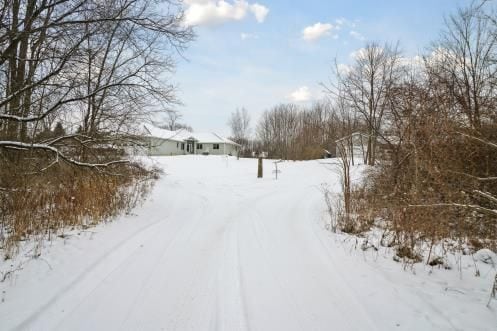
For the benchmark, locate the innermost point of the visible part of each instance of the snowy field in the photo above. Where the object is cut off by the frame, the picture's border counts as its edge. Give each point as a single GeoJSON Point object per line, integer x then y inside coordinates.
{"type": "Point", "coordinates": [214, 248]}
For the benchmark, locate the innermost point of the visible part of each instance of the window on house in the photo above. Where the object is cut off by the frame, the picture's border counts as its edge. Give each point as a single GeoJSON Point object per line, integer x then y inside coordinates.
{"type": "Point", "coordinates": [199, 146]}
{"type": "Point", "coordinates": [177, 145]}
{"type": "Point", "coordinates": [182, 146]}
{"type": "Point", "coordinates": [216, 146]}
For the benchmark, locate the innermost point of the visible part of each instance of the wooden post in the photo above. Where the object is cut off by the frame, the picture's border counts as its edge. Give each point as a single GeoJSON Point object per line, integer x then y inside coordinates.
{"type": "Point", "coordinates": [259, 168]}
{"type": "Point", "coordinates": [276, 171]}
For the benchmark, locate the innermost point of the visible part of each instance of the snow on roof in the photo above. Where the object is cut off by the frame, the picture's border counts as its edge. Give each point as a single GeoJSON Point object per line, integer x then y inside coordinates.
{"type": "Point", "coordinates": [381, 138]}
{"type": "Point", "coordinates": [156, 132]}
{"type": "Point", "coordinates": [183, 135]}
{"type": "Point", "coordinates": [354, 134]}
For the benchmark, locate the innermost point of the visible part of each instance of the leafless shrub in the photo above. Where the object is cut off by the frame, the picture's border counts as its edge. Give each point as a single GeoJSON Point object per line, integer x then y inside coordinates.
{"type": "Point", "coordinates": [435, 126]}
{"type": "Point", "coordinates": [76, 79]}
{"type": "Point", "coordinates": [43, 205]}
{"type": "Point", "coordinates": [334, 208]}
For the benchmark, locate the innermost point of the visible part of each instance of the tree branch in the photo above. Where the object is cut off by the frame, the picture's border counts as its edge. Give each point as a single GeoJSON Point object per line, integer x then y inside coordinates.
{"type": "Point", "coordinates": [483, 210]}
{"type": "Point", "coordinates": [58, 154]}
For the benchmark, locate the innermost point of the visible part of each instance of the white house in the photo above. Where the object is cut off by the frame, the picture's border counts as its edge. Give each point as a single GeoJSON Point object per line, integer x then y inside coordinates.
{"type": "Point", "coordinates": [164, 142]}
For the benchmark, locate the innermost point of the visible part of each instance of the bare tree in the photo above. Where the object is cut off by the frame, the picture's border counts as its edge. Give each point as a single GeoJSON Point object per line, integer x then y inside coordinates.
{"type": "Point", "coordinates": [344, 166]}
{"type": "Point", "coordinates": [99, 68]}
{"type": "Point", "coordinates": [173, 118]}
{"type": "Point", "coordinates": [463, 62]}
{"type": "Point", "coordinates": [441, 140]}
{"type": "Point", "coordinates": [105, 60]}
{"type": "Point", "coordinates": [278, 129]}
{"type": "Point", "coordinates": [365, 87]}
{"type": "Point", "coordinates": [239, 123]}
{"type": "Point", "coordinates": [303, 133]}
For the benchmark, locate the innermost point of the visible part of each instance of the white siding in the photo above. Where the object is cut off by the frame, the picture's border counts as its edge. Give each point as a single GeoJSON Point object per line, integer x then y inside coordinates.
{"type": "Point", "coordinates": [231, 149]}
{"type": "Point", "coordinates": [164, 147]}
{"type": "Point", "coordinates": [158, 147]}
{"type": "Point", "coordinates": [224, 149]}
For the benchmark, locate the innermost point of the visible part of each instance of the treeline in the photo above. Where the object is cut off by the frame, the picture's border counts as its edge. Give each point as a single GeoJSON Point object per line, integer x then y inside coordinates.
{"type": "Point", "coordinates": [292, 132]}
{"type": "Point", "coordinates": [437, 117]}
{"type": "Point", "coordinates": [96, 68]}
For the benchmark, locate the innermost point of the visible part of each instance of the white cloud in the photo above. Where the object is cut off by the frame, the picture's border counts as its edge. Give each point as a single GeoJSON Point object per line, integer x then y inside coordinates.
{"type": "Point", "coordinates": [357, 53]}
{"type": "Point", "coordinates": [345, 22]}
{"type": "Point", "coordinates": [441, 54]}
{"type": "Point", "coordinates": [260, 12]}
{"type": "Point", "coordinates": [357, 35]}
{"type": "Point", "coordinates": [343, 69]}
{"type": "Point", "coordinates": [302, 94]}
{"type": "Point", "coordinates": [414, 62]}
{"type": "Point", "coordinates": [212, 12]}
{"type": "Point", "coordinates": [316, 31]}
{"type": "Point", "coordinates": [340, 21]}
{"type": "Point", "coordinates": [362, 53]}
{"type": "Point", "coordinates": [245, 36]}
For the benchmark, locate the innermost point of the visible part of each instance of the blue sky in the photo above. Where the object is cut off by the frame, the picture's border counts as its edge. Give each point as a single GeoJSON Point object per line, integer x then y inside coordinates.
{"type": "Point", "coordinates": [258, 54]}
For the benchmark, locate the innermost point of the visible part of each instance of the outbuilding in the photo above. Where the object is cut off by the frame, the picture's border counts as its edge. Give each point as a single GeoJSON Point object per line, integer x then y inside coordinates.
{"type": "Point", "coordinates": [354, 146]}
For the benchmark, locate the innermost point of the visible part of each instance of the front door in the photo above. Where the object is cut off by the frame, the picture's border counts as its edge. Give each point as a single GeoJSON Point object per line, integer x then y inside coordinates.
{"type": "Point", "coordinates": [190, 147]}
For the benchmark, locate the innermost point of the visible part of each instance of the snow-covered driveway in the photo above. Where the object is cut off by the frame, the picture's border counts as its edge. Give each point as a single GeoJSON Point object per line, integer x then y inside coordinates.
{"type": "Point", "coordinates": [214, 248]}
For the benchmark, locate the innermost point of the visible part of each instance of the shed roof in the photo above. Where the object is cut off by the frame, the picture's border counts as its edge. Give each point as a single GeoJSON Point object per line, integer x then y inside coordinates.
{"type": "Point", "coordinates": [381, 139]}
{"type": "Point", "coordinates": [354, 134]}
{"type": "Point", "coordinates": [183, 135]}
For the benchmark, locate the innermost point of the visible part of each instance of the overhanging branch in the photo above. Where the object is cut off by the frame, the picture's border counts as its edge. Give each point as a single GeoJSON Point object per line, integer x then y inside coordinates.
{"type": "Point", "coordinates": [480, 209]}
{"type": "Point", "coordinates": [58, 154]}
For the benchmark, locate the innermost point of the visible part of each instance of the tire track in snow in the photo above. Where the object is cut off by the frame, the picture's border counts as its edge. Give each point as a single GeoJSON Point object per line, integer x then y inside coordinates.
{"type": "Point", "coordinates": [344, 292]}
{"type": "Point", "coordinates": [188, 295]}
{"type": "Point", "coordinates": [245, 217]}
{"type": "Point", "coordinates": [231, 308]}
{"type": "Point", "coordinates": [65, 289]}
{"type": "Point", "coordinates": [230, 272]}
{"type": "Point", "coordinates": [134, 240]}
{"type": "Point", "coordinates": [103, 281]}
{"type": "Point", "coordinates": [270, 264]}
{"type": "Point", "coordinates": [193, 290]}
{"type": "Point", "coordinates": [146, 283]}
{"type": "Point", "coordinates": [317, 232]}
{"type": "Point", "coordinates": [190, 228]}
{"type": "Point", "coordinates": [351, 306]}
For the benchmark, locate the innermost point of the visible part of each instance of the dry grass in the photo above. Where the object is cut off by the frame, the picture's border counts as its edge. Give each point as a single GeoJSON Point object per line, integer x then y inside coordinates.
{"type": "Point", "coordinates": [357, 220]}
{"type": "Point", "coordinates": [427, 193]}
{"type": "Point", "coordinates": [429, 196]}
{"type": "Point", "coordinates": [42, 204]}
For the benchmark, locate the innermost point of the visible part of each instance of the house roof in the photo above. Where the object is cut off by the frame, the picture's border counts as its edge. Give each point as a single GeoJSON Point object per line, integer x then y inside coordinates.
{"type": "Point", "coordinates": [183, 135]}
{"type": "Point", "coordinates": [382, 139]}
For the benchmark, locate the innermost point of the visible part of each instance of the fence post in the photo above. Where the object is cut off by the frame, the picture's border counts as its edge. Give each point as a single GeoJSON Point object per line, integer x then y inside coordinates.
{"type": "Point", "coordinates": [259, 168]}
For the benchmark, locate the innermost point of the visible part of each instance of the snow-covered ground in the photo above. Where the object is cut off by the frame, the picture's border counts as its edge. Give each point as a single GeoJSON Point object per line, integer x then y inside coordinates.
{"type": "Point", "coordinates": [215, 248]}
